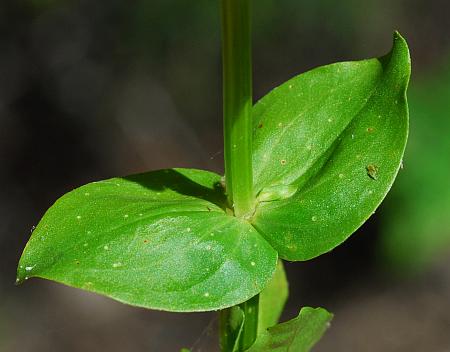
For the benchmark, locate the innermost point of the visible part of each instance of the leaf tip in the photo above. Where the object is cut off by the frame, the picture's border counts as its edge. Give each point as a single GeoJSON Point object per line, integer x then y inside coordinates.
{"type": "Point", "coordinates": [397, 63]}
{"type": "Point", "coordinates": [20, 277]}
{"type": "Point", "coordinates": [397, 35]}
{"type": "Point", "coordinates": [24, 272]}
{"type": "Point", "coordinates": [400, 50]}
{"type": "Point", "coordinates": [318, 310]}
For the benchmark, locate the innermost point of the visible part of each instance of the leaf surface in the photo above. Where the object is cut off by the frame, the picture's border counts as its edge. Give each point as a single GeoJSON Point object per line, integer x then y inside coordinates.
{"type": "Point", "coordinates": [327, 147]}
{"type": "Point", "coordinates": [158, 240]}
{"type": "Point", "coordinates": [299, 334]}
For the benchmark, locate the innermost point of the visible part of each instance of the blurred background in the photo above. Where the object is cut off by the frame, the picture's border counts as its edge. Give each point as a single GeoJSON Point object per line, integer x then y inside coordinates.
{"type": "Point", "coordinates": [95, 89]}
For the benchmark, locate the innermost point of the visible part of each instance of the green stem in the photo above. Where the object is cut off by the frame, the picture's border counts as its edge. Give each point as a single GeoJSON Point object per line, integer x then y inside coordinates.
{"type": "Point", "coordinates": [250, 328]}
{"type": "Point", "coordinates": [238, 324]}
{"type": "Point", "coordinates": [237, 105]}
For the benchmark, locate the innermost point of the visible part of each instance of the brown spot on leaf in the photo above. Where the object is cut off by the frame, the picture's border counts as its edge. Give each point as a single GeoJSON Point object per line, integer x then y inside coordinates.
{"type": "Point", "coordinates": [372, 171]}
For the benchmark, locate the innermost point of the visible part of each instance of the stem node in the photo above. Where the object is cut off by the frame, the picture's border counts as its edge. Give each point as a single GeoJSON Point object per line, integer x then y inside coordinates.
{"type": "Point", "coordinates": [237, 109]}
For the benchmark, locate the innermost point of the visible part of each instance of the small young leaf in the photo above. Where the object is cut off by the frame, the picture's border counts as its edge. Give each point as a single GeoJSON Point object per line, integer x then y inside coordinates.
{"type": "Point", "coordinates": [337, 133]}
{"type": "Point", "coordinates": [157, 240]}
{"type": "Point", "coordinates": [299, 334]}
{"type": "Point", "coordinates": [272, 299]}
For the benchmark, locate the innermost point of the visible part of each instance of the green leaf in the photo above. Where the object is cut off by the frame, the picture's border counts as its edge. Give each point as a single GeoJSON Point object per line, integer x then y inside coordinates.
{"type": "Point", "coordinates": [337, 135]}
{"type": "Point", "coordinates": [158, 240]}
{"type": "Point", "coordinates": [299, 334]}
{"type": "Point", "coordinates": [272, 299]}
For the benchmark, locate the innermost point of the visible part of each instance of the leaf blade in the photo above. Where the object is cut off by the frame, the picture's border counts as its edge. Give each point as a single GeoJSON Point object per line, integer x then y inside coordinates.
{"type": "Point", "coordinates": [151, 241]}
{"type": "Point", "coordinates": [346, 166]}
{"type": "Point", "coordinates": [299, 334]}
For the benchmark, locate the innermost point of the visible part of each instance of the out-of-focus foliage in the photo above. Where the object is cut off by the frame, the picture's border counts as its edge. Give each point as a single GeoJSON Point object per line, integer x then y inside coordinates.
{"type": "Point", "coordinates": [2, 334]}
{"type": "Point", "coordinates": [416, 219]}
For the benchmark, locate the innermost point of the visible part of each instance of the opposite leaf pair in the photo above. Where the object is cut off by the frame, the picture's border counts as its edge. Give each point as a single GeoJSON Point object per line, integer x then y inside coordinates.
{"type": "Point", "coordinates": [327, 147]}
